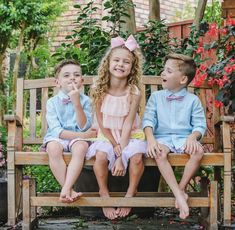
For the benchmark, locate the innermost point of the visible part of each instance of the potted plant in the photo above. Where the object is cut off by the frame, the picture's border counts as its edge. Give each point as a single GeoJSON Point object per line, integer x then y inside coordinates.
{"type": "Point", "coordinates": [3, 181]}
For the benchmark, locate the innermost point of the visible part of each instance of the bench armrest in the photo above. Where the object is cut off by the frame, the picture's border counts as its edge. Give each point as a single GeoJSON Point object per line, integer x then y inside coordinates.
{"type": "Point", "coordinates": [225, 118]}
{"type": "Point", "coordinates": [15, 135]}
{"type": "Point", "coordinates": [9, 118]}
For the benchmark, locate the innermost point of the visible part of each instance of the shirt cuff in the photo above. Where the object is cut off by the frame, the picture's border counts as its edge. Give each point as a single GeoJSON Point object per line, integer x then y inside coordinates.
{"type": "Point", "coordinates": [147, 124]}
{"type": "Point", "coordinates": [200, 130]}
{"type": "Point", "coordinates": [86, 126]}
{"type": "Point", "coordinates": [57, 132]}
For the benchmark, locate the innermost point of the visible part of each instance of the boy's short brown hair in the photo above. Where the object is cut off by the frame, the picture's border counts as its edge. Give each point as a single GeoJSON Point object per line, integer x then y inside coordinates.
{"type": "Point", "coordinates": [187, 66]}
{"type": "Point", "coordinates": [62, 63]}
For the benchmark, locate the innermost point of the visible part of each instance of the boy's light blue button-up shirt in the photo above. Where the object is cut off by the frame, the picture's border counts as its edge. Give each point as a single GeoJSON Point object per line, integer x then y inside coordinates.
{"type": "Point", "coordinates": [62, 116]}
{"type": "Point", "coordinates": [173, 121]}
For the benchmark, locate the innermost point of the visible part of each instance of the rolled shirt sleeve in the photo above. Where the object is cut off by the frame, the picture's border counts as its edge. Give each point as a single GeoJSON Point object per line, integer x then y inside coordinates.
{"type": "Point", "coordinates": [53, 122]}
{"type": "Point", "coordinates": [198, 119]}
{"type": "Point", "coordinates": [87, 111]}
{"type": "Point", "coordinates": [150, 114]}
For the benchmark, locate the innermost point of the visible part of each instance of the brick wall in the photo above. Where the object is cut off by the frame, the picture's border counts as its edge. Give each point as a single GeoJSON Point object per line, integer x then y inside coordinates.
{"type": "Point", "coordinates": [65, 23]}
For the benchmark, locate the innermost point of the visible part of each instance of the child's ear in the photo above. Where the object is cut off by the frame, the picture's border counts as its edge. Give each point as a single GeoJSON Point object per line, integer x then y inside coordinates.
{"type": "Point", "coordinates": [57, 82]}
{"type": "Point", "coordinates": [184, 80]}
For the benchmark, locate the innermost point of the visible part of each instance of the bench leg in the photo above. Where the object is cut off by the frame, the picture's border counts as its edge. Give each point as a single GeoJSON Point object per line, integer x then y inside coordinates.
{"type": "Point", "coordinates": [213, 225]}
{"type": "Point", "coordinates": [14, 189]}
{"type": "Point", "coordinates": [29, 213]}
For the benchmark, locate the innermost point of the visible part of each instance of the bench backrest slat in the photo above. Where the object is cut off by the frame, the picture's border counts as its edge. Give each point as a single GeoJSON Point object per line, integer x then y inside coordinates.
{"type": "Point", "coordinates": [32, 113]}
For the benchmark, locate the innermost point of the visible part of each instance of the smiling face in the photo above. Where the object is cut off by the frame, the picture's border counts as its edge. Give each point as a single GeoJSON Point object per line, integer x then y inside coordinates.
{"type": "Point", "coordinates": [172, 78]}
{"type": "Point", "coordinates": [120, 63]}
{"type": "Point", "coordinates": [69, 74]}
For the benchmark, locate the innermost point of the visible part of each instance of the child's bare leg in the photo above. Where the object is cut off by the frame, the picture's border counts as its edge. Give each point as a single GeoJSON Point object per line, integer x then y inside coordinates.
{"type": "Point", "coordinates": [118, 168]}
{"type": "Point", "coordinates": [168, 174]}
{"type": "Point", "coordinates": [101, 171]}
{"type": "Point", "coordinates": [189, 170]}
{"type": "Point", "coordinates": [191, 167]}
{"type": "Point", "coordinates": [136, 170]}
{"type": "Point", "coordinates": [74, 169]}
{"type": "Point", "coordinates": [56, 161]}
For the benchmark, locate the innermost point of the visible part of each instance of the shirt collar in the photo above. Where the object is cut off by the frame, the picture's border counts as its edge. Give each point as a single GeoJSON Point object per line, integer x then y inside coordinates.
{"type": "Point", "coordinates": [182, 92]}
{"type": "Point", "coordinates": [62, 95]}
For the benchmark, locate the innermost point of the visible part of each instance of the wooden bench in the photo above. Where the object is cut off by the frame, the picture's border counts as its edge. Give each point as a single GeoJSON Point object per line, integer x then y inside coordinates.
{"type": "Point", "coordinates": [38, 91]}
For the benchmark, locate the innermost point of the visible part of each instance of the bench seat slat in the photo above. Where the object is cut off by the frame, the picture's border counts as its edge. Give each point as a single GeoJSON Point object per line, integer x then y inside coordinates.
{"type": "Point", "coordinates": [41, 158]}
{"type": "Point", "coordinates": [38, 140]}
{"type": "Point", "coordinates": [119, 202]}
{"type": "Point", "coordinates": [122, 194]}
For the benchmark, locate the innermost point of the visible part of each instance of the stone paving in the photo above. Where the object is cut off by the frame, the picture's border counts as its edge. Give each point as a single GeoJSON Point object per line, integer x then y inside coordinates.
{"type": "Point", "coordinates": [162, 219]}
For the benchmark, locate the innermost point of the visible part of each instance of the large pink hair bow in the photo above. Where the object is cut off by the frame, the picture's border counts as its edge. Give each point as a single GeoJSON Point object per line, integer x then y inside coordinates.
{"type": "Point", "coordinates": [131, 44]}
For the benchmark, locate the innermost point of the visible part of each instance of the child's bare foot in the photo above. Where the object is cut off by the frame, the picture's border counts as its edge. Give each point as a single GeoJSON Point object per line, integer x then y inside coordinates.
{"type": "Point", "coordinates": [183, 206]}
{"type": "Point", "coordinates": [122, 212]}
{"type": "Point", "coordinates": [68, 195]}
{"type": "Point", "coordinates": [65, 195]}
{"type": "Point", "coordinates": [118, 168]}
{"type": "Point", "coordinates": [186, 198]}
{"type": "Point", "coordinates": [76, 195]}
{"type": "Point", "coordinates": [110, 213]}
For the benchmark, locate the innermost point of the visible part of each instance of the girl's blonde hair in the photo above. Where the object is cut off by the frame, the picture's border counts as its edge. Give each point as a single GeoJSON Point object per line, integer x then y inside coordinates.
{"type": "Point", "coordinates": [102, 83]}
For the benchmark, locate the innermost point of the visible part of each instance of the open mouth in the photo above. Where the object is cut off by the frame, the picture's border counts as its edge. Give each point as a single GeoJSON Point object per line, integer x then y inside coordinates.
{"type": "Point", "coordinates": [164, 80]}
{"type": "Point", "coordinates": [119, 70]}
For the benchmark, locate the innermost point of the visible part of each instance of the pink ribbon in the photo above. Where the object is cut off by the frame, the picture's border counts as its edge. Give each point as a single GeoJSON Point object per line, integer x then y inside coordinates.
{"type": "Point", "coordinates": [172, 97]}
{"type": "Point", "coordinates": [66, 101]}
{"type": "Point", "coordinates": [131, 44]}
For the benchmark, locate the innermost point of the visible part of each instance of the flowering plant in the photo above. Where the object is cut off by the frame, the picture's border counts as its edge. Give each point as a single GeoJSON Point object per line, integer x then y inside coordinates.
{"type": "Point", "coordinates": [2, 146]}
{"type": "Point", "coordinates": [216, 56]}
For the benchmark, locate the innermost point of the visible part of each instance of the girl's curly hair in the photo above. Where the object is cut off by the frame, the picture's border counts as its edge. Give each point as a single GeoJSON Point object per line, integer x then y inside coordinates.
{"type": "Point", "coordinates": [102, 82]}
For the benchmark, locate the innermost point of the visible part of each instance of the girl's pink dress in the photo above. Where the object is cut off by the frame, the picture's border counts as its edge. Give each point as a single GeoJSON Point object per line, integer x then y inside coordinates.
{"type": "Point", "coordinates": [114, 110]}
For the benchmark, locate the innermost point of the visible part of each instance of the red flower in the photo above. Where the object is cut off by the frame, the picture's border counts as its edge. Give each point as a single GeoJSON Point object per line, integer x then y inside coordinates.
{"type": "Point", "coordinates": [211, 82]}
{"type": "Point", "coordinates": [223, 31]}
{"type": "Point", "coordinates": [228, 69]}
{"type": "Point", "coordinates": [203, 77]}
{"type": "Point", "coordinates": [218, 104]}
{"type": "Point", "coordinates": [197, 82]}
{"type": "Point", "coordinates": [200, 50]}
{"type": "Point", "coordinates": [228, 48]}
{"type": "Point", "coordinates": [202, 67]}
{"type": "Point", "coordinates": [224, 78]}
{"type": "Point", "coordinates": [212, 29]}
{"type": "Point", "coordinates": [230, 21]}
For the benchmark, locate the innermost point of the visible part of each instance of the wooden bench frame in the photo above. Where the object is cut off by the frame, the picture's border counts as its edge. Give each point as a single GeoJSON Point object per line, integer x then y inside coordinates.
{"type": "Point", "coordinates": [221, 156]}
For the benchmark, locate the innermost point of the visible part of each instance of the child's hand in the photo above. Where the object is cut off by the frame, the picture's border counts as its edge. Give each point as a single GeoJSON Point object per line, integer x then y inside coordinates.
{"type": "Point", "coordinates": [91, 133]}
{"type": "Point", "coordinates": [117, 150]}
{"type": "Point", "coordinates": [153, 149]}
{"type": "Point", "coordinates": [192, 146]}
{"type": "Point", "coordinates": [74, 94]}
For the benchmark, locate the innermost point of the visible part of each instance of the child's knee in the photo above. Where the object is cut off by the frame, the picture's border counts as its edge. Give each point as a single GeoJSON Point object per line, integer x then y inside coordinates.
{"type": "Point", "coordinates": [101, 156]}
{"type": "Point", "coordinates": [198, 155]}
{"type": "Point", "coordinates": [161, 156]}
{"type": "Point", "coordinates": [137, 159]}
{"type": "Point", "coordinates": [54, 149]}
{"type": "Point", "coordinates": [79, 147]}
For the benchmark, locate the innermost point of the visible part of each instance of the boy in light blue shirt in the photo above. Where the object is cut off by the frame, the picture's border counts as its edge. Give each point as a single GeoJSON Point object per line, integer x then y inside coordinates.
{"type": "Point", "coordinates": [174, 121]}
{"type": "Point", "coordinates": [68, 116]}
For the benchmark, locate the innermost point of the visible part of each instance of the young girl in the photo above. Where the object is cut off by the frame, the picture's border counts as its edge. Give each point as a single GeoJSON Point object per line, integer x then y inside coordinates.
{"type": "Point", "coordinates": [116, 98]}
